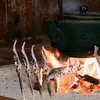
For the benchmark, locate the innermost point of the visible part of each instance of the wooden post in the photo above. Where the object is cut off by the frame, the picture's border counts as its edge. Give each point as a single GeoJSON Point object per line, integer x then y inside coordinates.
{"type": "Point", "coordinates": [36, 17]}
{"type": "Point", "coordinates": [2, 20]}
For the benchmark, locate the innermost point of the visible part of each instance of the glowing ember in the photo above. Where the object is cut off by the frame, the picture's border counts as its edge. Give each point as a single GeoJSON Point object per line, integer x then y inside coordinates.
{"type": "Point", "coordinates": [83, 73]}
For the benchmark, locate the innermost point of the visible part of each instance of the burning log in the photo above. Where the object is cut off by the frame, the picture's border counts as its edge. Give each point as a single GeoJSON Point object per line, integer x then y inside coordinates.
{"type": "Point", "coordinates": [57, 72]}
{"type": "Point", "coordinates": [90, 79]}
{"type": "Point", "coordinates": [18, 68]}
{"type": "Point", "coordinates": [27, 65]}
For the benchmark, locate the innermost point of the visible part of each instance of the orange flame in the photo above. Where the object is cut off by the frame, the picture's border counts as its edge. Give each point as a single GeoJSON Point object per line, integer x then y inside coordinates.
{"type": "Point", "coordinates": [51, 59]}
{"type": "Point", "coordinates": [91, 67]}
{"type": "Point", "coordinates": [88, 66]}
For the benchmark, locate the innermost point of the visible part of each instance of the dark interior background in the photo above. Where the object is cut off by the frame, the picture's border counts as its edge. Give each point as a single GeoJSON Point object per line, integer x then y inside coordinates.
{"type": "Point", "coordinates": [24, 19]}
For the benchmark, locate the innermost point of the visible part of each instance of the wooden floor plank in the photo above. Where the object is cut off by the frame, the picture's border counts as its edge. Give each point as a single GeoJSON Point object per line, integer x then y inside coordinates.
{"type": "Point", "coordinates": [6, 98]}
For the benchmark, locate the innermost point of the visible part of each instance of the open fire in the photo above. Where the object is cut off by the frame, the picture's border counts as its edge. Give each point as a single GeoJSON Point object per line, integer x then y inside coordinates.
{"type": "Point", "coordinates": [80, 74]}
{"type": "Point", "coordinates": [76, 74]}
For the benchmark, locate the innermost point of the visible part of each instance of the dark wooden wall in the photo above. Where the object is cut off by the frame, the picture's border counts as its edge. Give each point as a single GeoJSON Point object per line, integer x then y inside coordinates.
{"type": "Point", "coordinates": [25, 18]}
{"type": "Point", "coordinates": [2, 19]}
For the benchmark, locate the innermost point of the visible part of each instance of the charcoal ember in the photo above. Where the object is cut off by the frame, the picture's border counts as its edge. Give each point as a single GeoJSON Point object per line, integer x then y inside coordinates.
{"type": "Point", "coordinates": [90, 79]}
{"type": "Point", "coordinates": [74, 86]}
{"type": "Point", "coordinates": [57, 72]}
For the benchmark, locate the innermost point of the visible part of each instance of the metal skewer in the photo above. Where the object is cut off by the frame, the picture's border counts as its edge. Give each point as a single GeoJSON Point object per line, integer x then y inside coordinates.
{"type": "Point", "coordinates": [27, 66]}
{"type": "Point", "coordinates": [36, 70]}
{"type": "Point", "coordinates": [18, 68]}
{"type": "Point", "coordinates": [46, 72]}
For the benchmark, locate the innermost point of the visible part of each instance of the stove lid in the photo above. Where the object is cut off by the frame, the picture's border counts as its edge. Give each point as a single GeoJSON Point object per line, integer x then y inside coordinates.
{"type": "Point", "coordinates": [81, 16]}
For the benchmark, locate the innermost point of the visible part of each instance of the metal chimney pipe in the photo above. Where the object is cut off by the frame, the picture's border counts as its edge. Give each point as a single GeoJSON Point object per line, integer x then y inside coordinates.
{"type": "Point", "coordinates": [60, 3]}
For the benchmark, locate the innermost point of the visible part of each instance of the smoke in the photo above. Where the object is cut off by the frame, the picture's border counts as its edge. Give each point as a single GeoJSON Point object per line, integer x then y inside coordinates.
{"type": "Point", "coordinates": [71, 5]}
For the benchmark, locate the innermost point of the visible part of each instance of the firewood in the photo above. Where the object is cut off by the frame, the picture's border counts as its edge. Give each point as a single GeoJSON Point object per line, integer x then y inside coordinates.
{"type": "Point", "coordinates": [57, 72]}
{"type": "Point", "coordinates": [89, 79]}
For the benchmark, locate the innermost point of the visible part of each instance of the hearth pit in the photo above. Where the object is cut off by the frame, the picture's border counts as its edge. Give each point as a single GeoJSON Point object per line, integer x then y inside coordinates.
{"type": "Point", "coordinates": [78, 74]}
{"type": "Point", "coordinates": [81, 75]}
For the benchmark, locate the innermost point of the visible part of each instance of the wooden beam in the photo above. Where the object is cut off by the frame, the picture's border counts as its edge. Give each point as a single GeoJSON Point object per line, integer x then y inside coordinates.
{"type": "Point", "coordinates": [6, 98]}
